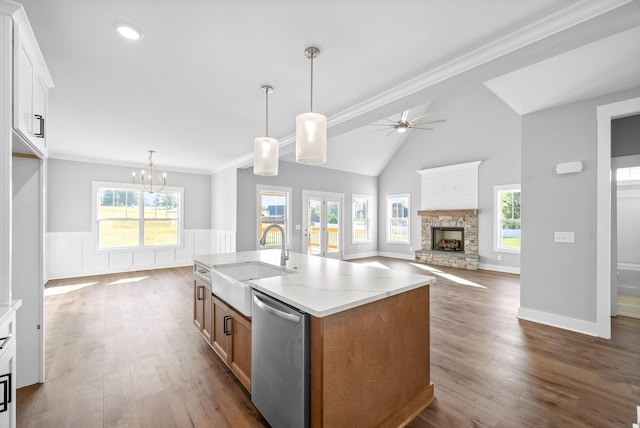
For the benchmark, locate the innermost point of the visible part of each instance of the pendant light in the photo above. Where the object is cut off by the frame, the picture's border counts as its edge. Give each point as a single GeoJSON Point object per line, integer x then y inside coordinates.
{"type": "Point", "coordinates": [145, 181]}
{"type": "Point", "coordinates": [311, 128]}
{"type": "Point", "coordinates": [266, 149]}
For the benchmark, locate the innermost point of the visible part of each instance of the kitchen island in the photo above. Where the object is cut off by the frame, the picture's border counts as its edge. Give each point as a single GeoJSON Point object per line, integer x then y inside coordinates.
{"type": "Point", "coordinates": [369, 335]}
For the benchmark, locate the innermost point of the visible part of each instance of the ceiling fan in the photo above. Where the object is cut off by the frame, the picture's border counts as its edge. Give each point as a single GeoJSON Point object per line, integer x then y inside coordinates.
{"type": "Point", "coordinates": [404, 124]}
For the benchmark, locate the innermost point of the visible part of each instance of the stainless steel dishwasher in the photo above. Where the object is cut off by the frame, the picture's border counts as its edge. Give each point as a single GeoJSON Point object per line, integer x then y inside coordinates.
{"type": "Point", "coordinates": [280, 362]}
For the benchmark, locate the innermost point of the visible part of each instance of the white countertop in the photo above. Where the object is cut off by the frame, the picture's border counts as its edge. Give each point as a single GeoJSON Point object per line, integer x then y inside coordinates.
{"type": "Point", "coordinates": [323, 286]}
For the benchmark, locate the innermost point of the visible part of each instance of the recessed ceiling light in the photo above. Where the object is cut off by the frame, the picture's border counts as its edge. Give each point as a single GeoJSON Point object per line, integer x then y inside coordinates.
{"type": "Point", "coordinates": [128, 31]}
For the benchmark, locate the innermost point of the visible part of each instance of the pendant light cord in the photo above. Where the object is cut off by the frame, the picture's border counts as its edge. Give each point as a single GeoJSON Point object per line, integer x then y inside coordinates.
{"type": "Point", "coordinates": [267, 115]}
{"type": "Point", "coordinates": [311, 103]}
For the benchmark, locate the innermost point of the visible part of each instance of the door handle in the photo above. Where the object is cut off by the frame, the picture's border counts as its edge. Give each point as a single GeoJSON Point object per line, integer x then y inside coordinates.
{"type": "Point", "coordinates": [198, 295]}
{"type": "Point", "coordinates": [225, 326]}
{"type": "Point", "coordinates": [41, 119]}
{"type": "Point", "coordinates": [275, 312]}
{"type": "Point", "coordinates": [5, 381]}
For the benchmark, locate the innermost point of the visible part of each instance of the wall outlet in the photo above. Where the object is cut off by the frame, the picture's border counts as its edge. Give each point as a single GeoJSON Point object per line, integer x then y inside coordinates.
{"type": "Point", "coordinates": [564, 237]}
{"type": "Point", "coordinates": [298, 227]}
{"type": "Point", "coordinates": [499, 257]}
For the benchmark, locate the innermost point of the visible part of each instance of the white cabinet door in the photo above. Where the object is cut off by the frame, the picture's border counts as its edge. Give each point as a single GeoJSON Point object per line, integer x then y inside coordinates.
{"type": "Point", "coordinates": [7, 383]}
{"type": "Point", "coordinates": [30, 94]}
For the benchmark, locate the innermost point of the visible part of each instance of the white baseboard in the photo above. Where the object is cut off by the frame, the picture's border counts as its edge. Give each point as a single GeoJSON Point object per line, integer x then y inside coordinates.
{"type": "Point", "coordinates": [397, 255]}
{"type": "Point", "coordinates": [500, 268]}
{"type": "Point", "coordinates": [560, 321]}
{"type": "Point", "coordinates": [359, 255]}
{"type": "Point", "coordinates": [628, 290]}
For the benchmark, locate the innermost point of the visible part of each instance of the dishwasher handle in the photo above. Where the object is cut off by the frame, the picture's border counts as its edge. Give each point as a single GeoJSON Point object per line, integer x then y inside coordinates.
{"type": "Point", "coordinates": [276, 312]}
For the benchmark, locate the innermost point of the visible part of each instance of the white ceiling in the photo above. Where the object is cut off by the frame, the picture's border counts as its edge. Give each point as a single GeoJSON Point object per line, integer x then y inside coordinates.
{"type": "Point", "coordinates": [190, 89]}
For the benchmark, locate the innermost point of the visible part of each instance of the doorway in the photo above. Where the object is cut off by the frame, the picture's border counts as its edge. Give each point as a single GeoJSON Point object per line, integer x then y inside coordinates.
{"type": "Point", "coordinates": [605, 114]}
{"type": "Point", "coordinates": [322, 223]}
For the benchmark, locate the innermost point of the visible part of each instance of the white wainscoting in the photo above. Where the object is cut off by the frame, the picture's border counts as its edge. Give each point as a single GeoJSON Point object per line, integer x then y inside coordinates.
{"type": "Point", "coordinates": [74, 254]}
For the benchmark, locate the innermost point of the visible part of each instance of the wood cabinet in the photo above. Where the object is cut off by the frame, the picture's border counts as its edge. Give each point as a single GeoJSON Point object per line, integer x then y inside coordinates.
{"type": "Point", "coordinates": [232, 340]}
{"type": "Point", "coordinates": [202, 308]}
{"type": "Point", "coordinates": [30, 87]}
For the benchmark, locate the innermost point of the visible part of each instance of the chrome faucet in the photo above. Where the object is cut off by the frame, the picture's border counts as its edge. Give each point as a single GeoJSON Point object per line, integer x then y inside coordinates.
{"type": "Point", "coordinates": [285, 253]}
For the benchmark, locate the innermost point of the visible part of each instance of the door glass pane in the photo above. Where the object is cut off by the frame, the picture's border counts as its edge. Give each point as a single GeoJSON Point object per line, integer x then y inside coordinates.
{"type": "Point", "coordinates": [333, 227]}
{"type": "Point", "coordinates": [273, 209]}
{"type": "Point", "coordinates": [314, 237]}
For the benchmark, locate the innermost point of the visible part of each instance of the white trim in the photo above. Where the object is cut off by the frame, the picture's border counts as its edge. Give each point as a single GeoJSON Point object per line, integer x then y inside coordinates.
{"type": "Point", "coordinates": [500, 268]}
{"type": "Point", "coordinates": [572, 324]}
{"type": "Point", "coordinates": [360, 255]}
{"type": "Point", "coordinates": [402, 256]}
{"type": "Point", "coordinates": [548, 26]}
{"type": "Point", "coordinates": [605, 114]}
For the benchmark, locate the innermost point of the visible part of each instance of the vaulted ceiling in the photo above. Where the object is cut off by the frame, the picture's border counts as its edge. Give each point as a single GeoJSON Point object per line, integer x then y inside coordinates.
{"type": "Point", "coordinates": [190, 88]}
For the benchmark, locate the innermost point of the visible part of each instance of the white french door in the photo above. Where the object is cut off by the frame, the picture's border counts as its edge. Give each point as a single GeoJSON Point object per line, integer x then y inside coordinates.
{"type": "Point", "coordinates": [322, 223]}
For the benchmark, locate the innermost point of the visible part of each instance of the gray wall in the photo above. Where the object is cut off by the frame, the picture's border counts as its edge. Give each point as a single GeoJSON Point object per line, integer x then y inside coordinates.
{"type": "Point", "coordinates": [479, 126]}
{"type": "Point", "coordinates": [625, 136]}
{"type": "Point", "coordinates": [560, 278]}
{"type": "Point", "coordinates": [69, 197]}
{"type": "Point", "coordinates": [299, 178]}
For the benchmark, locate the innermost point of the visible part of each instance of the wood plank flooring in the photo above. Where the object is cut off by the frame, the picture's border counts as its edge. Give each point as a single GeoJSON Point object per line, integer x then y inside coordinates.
{"type": "Point", "coordinates": [121, 351]}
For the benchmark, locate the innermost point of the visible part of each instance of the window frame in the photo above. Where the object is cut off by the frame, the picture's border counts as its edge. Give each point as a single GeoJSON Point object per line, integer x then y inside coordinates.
{"type": "Point", "coordinates": [498, 190]}
{"type": "Point", "coordinates": [287, 221]}
{"type": "Point", "coordinates": [369, 199]}
{"type": "Point", "coordinates": [388, 209]}
{"type": "Point", "coordinates": [96, 185]}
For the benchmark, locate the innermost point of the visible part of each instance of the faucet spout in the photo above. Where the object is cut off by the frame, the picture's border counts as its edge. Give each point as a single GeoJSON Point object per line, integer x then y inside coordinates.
{"type": "Point", "coordinates": [284, 256]}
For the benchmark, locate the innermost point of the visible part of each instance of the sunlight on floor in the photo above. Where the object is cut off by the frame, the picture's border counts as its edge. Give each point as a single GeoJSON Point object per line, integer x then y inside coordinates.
{"type": "Point", "coordinates": [375, 264]}
{"type": "Point", "coordinates": [448, 276]}
{"type": "Point", "coordinates": [64, 289]}
{"type": "Point", "coordinates": [128, 280]}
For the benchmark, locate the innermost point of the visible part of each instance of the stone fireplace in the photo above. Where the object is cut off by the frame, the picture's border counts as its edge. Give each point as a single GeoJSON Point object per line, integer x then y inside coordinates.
{"type": "Point", "coordinates": [449, 238]}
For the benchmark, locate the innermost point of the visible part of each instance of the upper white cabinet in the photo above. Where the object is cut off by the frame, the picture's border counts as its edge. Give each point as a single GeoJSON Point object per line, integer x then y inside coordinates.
{"type": "Point", "coordinates": [30, 86]}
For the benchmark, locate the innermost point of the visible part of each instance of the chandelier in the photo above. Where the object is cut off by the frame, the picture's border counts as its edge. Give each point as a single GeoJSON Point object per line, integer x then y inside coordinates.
{"type": "Point", "coordinates": [145, 180]}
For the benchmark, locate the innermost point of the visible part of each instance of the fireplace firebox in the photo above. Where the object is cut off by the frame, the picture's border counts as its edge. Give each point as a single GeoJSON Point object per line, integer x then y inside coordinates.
{"type": "Point", "coordinates": [447, 239]}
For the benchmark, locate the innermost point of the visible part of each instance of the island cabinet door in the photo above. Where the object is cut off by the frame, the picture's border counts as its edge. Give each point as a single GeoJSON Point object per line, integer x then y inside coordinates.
{"type": "Point", "coordinates": [207, 312]}
{"type": "Point", "coordinates": [198, 308]}
{"type": "Point", "coordinates": [241, 349]}
{"type": "Point", "coordinates": [221, 330]}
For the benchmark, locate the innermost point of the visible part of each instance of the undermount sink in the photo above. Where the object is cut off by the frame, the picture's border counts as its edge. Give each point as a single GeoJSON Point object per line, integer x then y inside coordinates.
{"type": "Point", "coordinates": [230, 281]}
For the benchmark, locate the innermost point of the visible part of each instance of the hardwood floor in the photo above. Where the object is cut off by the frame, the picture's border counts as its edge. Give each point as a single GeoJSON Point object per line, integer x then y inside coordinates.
{"type": "Point", "coordinates": [121, 351]}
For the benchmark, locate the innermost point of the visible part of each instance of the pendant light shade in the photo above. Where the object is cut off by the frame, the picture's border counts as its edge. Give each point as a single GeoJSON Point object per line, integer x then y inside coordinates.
{"type": "Point", "coordinates": [265, 156]}
{"type": "Point", "coordinates": [311, 128]}
{"type": "Point", "coordinates": [311, 138]}
{"type": "Point", "coordinates": [266, 149]}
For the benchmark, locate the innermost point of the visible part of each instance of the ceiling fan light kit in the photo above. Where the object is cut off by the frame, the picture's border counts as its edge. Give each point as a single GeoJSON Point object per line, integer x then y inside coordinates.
{"type": "Point", "coordinates": [266, 149]}
{"type": "Point", "coordinates": [404, 124]}
{"type": "Point", "coordinates": [311, 128]}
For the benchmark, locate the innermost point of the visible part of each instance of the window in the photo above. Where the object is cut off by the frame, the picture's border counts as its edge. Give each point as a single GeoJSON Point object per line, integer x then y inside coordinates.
{"type": "Point", "coordinates": [273, 208]}
{"type": "Point", "coordinates": [360, 218]}
{"type": "Point", "coordinates": [128, 217]}
{"type": "Point", "coordinates": [398, 218]}
{"type": "Point", "coordinates": [507, 218]}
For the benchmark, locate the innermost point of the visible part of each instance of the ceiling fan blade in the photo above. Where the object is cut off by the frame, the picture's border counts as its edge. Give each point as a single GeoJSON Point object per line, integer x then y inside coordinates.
{"type": "Point", "coordinates": [389, 120]}
{"type": "Point", "coordinates": [380, 129]}
{"type": "Point", "coordinates": [428, 121]}
{"type": "Point", "coordinates": [424, 129]}
{"type": "Point", "coordinates": [392, 131]}
{"type": "Point", "coordinates": [379, 124]}
{"type": "Point", "coordinates": [429, 114]}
